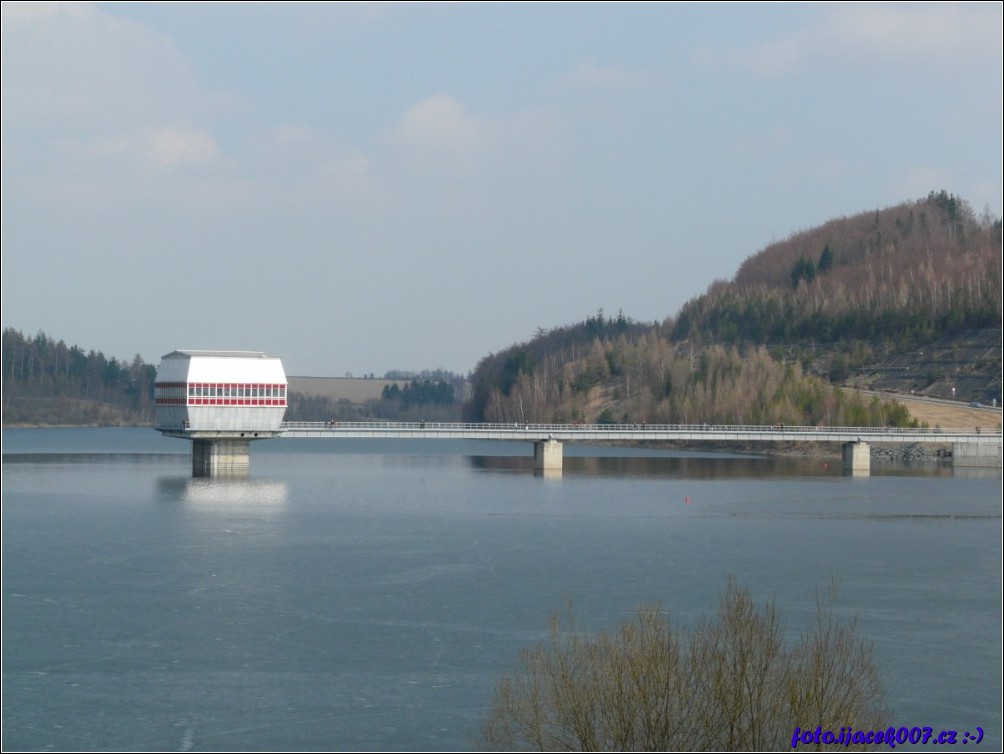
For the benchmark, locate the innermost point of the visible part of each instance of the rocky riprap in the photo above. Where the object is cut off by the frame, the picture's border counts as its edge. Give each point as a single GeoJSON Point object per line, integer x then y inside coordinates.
{"type": "Point", "coordinates": [912, 453]}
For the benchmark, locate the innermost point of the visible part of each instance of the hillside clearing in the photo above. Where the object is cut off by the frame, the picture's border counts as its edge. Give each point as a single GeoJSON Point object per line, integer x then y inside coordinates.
{"type": "Point", "coordinates": [945, 414]}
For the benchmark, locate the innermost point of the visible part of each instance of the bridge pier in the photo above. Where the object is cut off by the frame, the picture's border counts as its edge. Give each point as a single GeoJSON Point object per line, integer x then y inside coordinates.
{"type": "Point", "coordinates": [547, 455]}
{"type": "Point", "coordinates": [977, 454]}
{"type": "Point", "coordinates": [221, 457]}
{"type": "Point", "coordinates": [857, 458]}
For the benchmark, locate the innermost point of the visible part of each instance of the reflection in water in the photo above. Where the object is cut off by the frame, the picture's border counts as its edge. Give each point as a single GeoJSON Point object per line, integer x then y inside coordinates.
{"type": "Point", "coordinates": [224, 492]}
{"type": "Point", "coordinates": [640, 466]}
{"type": "Point", "coordinates": [84, 458]}
{"type": "Point", "coordinates": [705, 467]}
{"type": "Point", "coordinates": [976, 472]}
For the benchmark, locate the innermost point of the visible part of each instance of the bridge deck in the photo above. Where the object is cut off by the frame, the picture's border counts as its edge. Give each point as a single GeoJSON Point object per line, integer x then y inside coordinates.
{"type": "Point", "coordinates": [634, 432]}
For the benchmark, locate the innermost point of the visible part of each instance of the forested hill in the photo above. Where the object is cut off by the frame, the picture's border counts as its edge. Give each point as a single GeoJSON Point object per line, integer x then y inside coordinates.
{"type": "Point", "coordinates": [768, 346]}
{"type": "Point", "coordinates": [915, 272]}
{"type": "Point", "coordinates": [46, 382]}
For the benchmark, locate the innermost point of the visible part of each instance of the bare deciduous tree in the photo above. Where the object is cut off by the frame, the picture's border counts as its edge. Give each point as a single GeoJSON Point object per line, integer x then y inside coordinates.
{"type": "Point", "coordinates": [734, 685]}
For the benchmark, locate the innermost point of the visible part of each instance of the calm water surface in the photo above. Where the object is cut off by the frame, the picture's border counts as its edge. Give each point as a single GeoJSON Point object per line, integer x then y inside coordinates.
{"type": "Point", "coordinates": [366, 595]}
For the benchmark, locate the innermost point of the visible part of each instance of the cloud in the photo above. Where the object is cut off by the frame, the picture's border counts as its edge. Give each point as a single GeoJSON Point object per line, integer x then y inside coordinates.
{"type": "Point", "coordinates": [74, 69]}
{"type": "Point", "coordinates": [925, 34]}
{"type": "Point", "coordinates": [591, 75]}
{"type": "Point", "coordinates": [181, 147]}
{"type": "Point", "coordinates": [299, 166]}
{"type": "Point", "coordinates": [440, 127]}
{"type": "Point", "coordinates": [345, 175]}
{"type": "Point", "coordinates": [168, 148]}
{"type": "Point", "coordinates": [14, 12]}
{"type": "Point", "coordinates": [100, 111]}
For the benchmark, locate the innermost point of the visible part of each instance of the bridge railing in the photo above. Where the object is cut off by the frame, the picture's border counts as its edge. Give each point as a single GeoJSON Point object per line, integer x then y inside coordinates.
{"type": "Point", "coordinates": [543, 429]}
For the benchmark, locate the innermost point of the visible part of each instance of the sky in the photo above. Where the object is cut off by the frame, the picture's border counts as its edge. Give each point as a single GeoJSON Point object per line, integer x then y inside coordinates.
{"type": "Point", "coordinates": [363, 187]}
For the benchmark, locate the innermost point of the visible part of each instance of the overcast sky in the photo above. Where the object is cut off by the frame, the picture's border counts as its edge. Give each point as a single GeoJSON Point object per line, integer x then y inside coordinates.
{"type": "Point", "coordinates": [361, 187]}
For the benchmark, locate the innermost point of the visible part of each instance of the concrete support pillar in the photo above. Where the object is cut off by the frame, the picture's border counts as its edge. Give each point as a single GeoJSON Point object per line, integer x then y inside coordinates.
{"type": "Point", "coordinates": [219, 458]}
{"type": "Point", "coordinates": [857, 458]}
{"type": "Point", "coordinates": [977, 454]}
{"type": "Point", "coordinates": [547, 455]}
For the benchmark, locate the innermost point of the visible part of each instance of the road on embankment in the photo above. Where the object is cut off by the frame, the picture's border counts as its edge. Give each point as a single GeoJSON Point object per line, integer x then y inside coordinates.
{"type": "Point", "coordinates": [937, 412]}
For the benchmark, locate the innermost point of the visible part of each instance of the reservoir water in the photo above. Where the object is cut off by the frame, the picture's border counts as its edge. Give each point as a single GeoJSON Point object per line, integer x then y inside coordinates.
{"type": "Point", "coordinates": [366, 595]}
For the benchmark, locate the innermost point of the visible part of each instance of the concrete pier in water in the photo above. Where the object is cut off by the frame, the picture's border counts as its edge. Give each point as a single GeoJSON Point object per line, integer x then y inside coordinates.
{"type": "Point", "coordinates": [857, 458]}
{"type": "Point", "coordinates": [548, 455]}
{"type": "Point", "coordinates": [230, 457]}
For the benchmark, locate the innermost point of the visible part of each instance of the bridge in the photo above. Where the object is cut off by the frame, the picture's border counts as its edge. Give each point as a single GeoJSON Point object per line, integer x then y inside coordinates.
{"type": "Point", "coordinates": [970, 447]}
{"type": "Point", "coordinates": [222, 400]}
{"type": "Point", "coordinates": [225, 451]}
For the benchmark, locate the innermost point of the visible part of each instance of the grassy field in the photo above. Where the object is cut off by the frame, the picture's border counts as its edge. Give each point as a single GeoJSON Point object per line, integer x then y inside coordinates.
{"type": "Point", "coordinates": [354, 390]}
{"type": "Point", "coordinates": [949, 415]}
